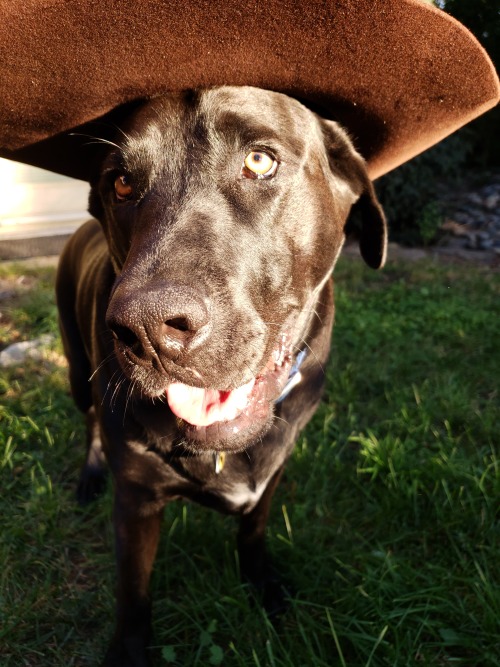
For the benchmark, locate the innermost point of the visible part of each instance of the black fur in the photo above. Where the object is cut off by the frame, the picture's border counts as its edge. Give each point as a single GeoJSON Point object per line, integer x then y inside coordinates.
{"type": "Point", "coordinates": [198, 275]}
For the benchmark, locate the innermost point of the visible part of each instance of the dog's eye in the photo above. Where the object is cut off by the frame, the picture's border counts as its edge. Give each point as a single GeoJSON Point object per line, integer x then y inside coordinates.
{"type": "Point", "coordinates": [123, 188]}
{"type": "Point", "coordinates": [258, 164]}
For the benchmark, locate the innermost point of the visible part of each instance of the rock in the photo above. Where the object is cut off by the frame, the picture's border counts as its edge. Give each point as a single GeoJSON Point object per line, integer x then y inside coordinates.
{"type": "Point", "coordinates": [492, 202]}
{"type": "Point", "coordinates": [479, 241]}
{"type": "Point", "coordinates": [7, 294]}
{"type": "Point", "coordinates": [471, 242]}
{"type": "Point", "coordinates": [473, 220]}
{"type": "Point", "coordinates": [463, 218]}
{"type": "Point", "coordinates": [484, 243]}
{"type": "Point", "coordinates": [454, 227]}
{"type": "Point", "coordinates": [17, 353]}
{"type": "Point", "coordinates": [475, 198]}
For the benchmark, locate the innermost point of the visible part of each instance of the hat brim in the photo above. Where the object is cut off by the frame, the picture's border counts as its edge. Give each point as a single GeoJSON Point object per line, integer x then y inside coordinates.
{"type": "Point", "coordinates": [400, 75]}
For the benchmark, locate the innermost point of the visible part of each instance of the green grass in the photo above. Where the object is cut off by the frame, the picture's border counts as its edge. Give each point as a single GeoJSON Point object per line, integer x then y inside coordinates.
{"type": "Point", "coordinates": [386, 523]}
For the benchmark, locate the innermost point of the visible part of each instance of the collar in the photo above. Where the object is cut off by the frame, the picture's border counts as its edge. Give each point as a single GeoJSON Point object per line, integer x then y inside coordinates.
{"type": "Point", "coordinates": [295, 376]}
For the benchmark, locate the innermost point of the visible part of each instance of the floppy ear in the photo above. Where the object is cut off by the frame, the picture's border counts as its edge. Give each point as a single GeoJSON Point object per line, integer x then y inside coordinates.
{"type": "Point", "coordinates": [346, 164]}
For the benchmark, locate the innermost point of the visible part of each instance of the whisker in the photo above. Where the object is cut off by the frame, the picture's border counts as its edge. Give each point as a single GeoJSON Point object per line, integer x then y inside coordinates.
{"type": "Point", "coordinates": [96, 140]}
{"type": "Point", "coordinates": [281, 419]}
{"type": "Point", "coordinates": [122, 131]}
{"type": "Point", "coordinates": [128, 397]}
{"type": "Point", "coordinates": [112, 400]}
{"type": "Point", "coordinates": [102, 364]}
{"type": "Point", "coordinates": [313, 354]}
{"type": "Point", "coordinates": [110, 382]}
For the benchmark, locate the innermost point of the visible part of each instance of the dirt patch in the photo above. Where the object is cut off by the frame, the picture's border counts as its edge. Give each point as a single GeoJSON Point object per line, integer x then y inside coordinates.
{"type": "Point", "coordinates": [448, 251]}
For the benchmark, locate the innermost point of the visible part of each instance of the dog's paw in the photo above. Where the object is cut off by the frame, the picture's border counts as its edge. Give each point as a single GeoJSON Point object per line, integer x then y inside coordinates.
{"type": "Point", "coordinates": [272, 593]}
{"type": "Point", "coordinates": [275, 597]}
{"type": "Point", "coordinates": [91, 484]}
{"type": "Point", "coordinates": [130, 655]}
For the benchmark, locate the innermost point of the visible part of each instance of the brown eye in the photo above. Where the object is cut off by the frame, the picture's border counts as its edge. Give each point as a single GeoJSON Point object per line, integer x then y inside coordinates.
{"type": "Point", "coordinates": [260, 165]}
{"type": "Point", "coordinates": [123, 188]}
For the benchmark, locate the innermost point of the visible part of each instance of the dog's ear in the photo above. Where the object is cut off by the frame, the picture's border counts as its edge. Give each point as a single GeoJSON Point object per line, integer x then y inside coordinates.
{"type": "Point", "coordinates": [346, 164]}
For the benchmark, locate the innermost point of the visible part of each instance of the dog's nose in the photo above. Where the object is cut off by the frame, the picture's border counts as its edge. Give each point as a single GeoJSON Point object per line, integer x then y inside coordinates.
{"type": "Point", "coordinates": [166, 319]}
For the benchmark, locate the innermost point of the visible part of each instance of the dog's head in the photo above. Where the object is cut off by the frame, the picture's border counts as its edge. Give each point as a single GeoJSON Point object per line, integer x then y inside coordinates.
{"type": "Point", "coordinates": [224, 212]}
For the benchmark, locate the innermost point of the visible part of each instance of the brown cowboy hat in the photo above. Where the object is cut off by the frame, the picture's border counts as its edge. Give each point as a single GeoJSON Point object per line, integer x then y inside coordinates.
{"type": "Point", "coordinates": [399, 74]}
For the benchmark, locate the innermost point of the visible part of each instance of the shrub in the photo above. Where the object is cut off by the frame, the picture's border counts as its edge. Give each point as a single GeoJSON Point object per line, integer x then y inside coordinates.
{"type": "Point", "coordinates": [410, 193]}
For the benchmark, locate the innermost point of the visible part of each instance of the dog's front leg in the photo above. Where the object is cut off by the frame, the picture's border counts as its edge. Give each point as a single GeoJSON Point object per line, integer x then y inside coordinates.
{"type": "Point", "coordinates": [136, 538]}
{"type": "Point", "coordinates": [255, 566]}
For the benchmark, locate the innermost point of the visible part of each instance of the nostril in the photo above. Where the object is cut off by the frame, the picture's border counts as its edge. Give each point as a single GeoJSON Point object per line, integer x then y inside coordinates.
{"type": "Point", "coordinates": [178, 323]}
{"type": "Point", "coordinates": [176, 331]}
{"type": "Point", "coordinates": [124, 335]}
{"type": "Point", "coordinates": [183, 321]}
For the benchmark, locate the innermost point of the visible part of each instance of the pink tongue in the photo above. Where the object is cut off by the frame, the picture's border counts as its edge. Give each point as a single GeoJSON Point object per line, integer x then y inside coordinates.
{"type": "Point", "coordinates": [202, 407]}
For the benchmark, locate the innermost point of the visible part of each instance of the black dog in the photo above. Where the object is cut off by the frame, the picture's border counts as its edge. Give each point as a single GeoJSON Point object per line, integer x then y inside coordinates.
{"type": "Point", "coordinates": [201, 307]}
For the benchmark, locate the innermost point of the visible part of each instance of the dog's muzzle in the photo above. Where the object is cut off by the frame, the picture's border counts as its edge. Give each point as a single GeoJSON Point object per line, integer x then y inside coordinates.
{"type": "Point", "coordinates": [210, 414]}
{"type": "Point", "coordinates": [157, 328]}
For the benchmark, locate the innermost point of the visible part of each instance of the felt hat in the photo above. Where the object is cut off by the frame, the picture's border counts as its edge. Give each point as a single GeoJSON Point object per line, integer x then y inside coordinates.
{"type": "Point", "coordinates": [398, 74]}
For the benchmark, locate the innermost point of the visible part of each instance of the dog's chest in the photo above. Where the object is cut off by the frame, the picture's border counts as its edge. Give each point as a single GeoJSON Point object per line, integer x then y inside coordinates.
{"type": "Point", "coordinates": [234, 486]}
{"type": "Point", "coordinates": [233, 482]}
{"type": "Point", "coordinates": [243, 496]}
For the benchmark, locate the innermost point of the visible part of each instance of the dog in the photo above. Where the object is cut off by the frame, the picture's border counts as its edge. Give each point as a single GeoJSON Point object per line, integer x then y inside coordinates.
{"type": "Point", "coordinates": [199, 302]}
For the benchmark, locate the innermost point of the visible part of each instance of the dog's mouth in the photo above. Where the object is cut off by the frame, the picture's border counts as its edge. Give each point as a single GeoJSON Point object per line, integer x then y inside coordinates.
{"type": "Point", "coordinates": [215, 417]}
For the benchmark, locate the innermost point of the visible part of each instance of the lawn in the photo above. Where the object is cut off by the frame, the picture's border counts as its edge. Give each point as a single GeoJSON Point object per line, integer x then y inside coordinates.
{"type": "Point", "coordinates": [386, 524]}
